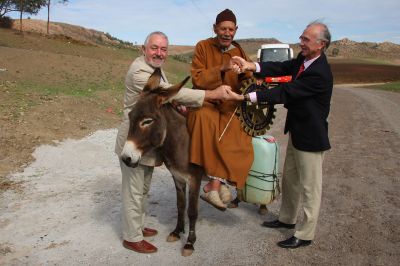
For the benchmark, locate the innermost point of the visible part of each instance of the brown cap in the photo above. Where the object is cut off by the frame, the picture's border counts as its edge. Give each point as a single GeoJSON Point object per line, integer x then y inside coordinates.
{"type": "Point", "coordinates": [226, 15]}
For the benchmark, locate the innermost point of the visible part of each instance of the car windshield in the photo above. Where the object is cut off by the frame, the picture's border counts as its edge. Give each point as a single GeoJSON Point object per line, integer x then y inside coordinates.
{"type": "Point", "coordinates": [275, 54]}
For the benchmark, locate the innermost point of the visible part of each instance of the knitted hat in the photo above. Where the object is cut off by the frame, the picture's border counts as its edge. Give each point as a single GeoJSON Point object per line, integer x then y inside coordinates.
{"type": "Point", "coordinates": [226, 15]}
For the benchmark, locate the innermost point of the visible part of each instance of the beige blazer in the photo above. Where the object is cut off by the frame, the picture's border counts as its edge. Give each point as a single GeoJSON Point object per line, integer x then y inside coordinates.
{"type": "Point", "coordinates": [135, 80]}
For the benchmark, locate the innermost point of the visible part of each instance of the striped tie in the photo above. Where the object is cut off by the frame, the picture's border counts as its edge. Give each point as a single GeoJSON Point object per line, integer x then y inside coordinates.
{"type": "Point", "coordinates": [300, 70]}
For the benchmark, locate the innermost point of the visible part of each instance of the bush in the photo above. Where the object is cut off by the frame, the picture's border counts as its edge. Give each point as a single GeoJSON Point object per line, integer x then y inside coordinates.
{"type": "Point", "coordinates": [6, 22]}
{"type": "Point", "coordinates": [335, 52]}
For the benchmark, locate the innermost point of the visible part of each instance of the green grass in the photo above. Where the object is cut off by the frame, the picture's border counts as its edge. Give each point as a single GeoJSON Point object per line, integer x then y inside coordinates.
{"type": "Point", "coordinates": [390, 86]}
{"type": "Point", "coordinates": [177, 71]}
{"type": "Point", "coordinates": [78, 88]}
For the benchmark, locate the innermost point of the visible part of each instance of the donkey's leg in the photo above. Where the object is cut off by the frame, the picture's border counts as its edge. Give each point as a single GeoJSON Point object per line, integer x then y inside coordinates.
{"type": "Point", "coordinates": [194, 190]}
{"type": "Point", "coordinates": [181, 205]}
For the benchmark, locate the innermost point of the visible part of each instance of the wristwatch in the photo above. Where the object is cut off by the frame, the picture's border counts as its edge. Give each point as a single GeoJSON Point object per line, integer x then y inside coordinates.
{"type": "Point", "coordinates": [246, 97]}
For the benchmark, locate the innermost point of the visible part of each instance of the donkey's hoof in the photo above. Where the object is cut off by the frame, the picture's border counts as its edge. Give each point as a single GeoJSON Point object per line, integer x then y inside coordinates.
{"type": "Point", "coordinates": [263, 210]}
{"type": "Point", "coordinates": [173, 237]}
{"type": "Point", "coordinates": [187, 250]}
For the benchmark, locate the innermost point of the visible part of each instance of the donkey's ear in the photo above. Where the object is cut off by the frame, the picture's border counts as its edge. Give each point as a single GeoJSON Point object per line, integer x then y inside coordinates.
{"type": "Point", "coordinates": [164, 94]}
{"type": "Point", "coordinates": [154, 80]}
{"type": "Point", "coordinates": [178, 86]}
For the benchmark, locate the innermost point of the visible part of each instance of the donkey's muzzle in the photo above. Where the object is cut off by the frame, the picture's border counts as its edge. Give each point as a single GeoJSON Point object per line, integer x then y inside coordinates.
{"type": "Point", "coordinates": [128, 162]}
{"type": "Point", "coordinates": [130, 154]}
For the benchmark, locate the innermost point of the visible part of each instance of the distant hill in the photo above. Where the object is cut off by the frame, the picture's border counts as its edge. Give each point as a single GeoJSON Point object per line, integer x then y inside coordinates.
{"type": "Point", "coordinates": [76, 33]}
{"type": "Point", "coordinates": [345, 49]}
{"type": "Point", "coordinates": [340, 49]}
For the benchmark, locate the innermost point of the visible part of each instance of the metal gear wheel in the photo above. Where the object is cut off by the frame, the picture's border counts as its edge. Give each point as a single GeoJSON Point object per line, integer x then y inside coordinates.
{"type": "Point", "coordinates": [255, 118]}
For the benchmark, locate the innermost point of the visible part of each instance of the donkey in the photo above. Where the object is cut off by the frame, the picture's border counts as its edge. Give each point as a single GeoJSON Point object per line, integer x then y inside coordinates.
{"type": "Point", "coordinates": [155, 124]}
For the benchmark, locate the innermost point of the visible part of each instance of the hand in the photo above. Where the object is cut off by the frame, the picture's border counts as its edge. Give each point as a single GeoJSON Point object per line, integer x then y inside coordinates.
{"type": "Point", "coordinates": [218, 94]}
{"type": "Point", "coordinates": [240, 65]}
{"type": "Point", "coordinates": [259, 81]}
{"type": "Point", "coordinates": [234, 96]}
{"type": "Point", "coordinates": [183, 110]}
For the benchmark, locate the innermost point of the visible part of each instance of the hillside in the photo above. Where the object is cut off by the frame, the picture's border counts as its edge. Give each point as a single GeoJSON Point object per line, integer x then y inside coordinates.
{"type": "Point", "coordinates": [348, 49]}
{"type": "Point", "coordinates": [345, 49]}
{"type": "Point", "coordinates": [341, 49]}
{"type": "Point", "coordinates": [77, 33]}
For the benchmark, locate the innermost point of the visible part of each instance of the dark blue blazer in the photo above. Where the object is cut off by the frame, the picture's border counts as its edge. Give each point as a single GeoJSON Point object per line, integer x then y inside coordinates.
{"type": "Point", "coordinates": [306, 98]}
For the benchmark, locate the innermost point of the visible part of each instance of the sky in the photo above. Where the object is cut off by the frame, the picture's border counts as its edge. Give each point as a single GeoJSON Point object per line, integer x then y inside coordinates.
{"type": "Point", "coordinates": [188, 21]}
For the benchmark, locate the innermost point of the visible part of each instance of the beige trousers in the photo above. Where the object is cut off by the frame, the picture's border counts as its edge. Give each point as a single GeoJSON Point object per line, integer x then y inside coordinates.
{"type": "Point", "coordinates": [301, 183]}
{"type": "Point", "coordinates": [135, 187]}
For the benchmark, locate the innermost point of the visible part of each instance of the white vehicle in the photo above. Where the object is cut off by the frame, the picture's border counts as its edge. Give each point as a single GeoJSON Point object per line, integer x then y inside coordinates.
{"type": "Point", "coordinates": [274, 52]}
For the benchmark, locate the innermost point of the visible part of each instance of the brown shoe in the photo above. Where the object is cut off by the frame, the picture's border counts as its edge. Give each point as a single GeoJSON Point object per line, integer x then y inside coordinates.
{"type": "Point", "coordinates": [149, 232]}
{"type": "Point", "coordinates": [141, 246]}
{"type": "Point", "coordinates": [212, 197]}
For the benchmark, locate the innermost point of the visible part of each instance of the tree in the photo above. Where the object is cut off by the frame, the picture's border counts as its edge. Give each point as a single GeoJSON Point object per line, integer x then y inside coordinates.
{"type": "Point", "coordinates": [7, 6]}
{"type": "Point", "coordinates": [335, 51]}
{"type": "Point", "coordinates": [48, 3]}
{"type": "Point", "coordinates": [28, 6]}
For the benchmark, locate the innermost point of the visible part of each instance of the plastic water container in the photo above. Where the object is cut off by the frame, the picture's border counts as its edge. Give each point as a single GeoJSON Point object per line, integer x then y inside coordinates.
{"type": "Point", "coordinates": [262, 184]}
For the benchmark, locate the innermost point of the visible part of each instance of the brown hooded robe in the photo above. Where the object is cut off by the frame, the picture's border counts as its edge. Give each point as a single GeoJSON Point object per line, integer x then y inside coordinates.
{"type": "Point", "coordinates": [231, 158]}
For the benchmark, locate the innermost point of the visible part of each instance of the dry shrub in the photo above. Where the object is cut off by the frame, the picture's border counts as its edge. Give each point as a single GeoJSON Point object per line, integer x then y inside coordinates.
{"type": "Point", "coordinates": [6, 22]}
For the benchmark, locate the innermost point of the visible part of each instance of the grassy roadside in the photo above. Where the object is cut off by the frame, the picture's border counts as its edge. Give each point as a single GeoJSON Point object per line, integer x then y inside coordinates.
{"type": "Point", "coordinates": [390, 86]}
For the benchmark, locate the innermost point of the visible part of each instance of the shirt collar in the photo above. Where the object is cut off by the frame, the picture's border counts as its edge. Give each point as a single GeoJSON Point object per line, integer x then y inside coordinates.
{"type": "Point", "coordinates": [309, 62]}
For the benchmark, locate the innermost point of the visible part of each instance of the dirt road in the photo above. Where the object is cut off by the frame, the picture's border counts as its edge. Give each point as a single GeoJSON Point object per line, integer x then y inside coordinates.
{"type": "Point", "coordinates": [68, 212]}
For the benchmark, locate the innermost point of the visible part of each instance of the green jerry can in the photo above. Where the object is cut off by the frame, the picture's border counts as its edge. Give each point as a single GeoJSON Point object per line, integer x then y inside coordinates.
{"type": "Point", "coordinates": [262, 184]}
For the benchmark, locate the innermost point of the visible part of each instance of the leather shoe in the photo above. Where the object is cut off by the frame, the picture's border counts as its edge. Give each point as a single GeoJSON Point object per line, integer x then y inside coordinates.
{"type": "Point", "coordinates": [141, 246]}
{"type": "Point", "coordinates": [294, 242]}
{"type": "Point", "coordinates": [149, 232]}
{"type": "Point", "coordinates": [278, 224]}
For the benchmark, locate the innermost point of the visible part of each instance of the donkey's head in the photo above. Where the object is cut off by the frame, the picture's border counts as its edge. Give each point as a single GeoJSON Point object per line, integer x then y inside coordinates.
{"type": "Point", "coordinates": [147, 123]}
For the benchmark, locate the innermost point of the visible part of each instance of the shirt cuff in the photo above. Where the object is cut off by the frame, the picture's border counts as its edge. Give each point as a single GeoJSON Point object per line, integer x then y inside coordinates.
{"type": "Point", "coordinates": [253, 97]}
{"type": "Point", "coordinates": [258, 68]}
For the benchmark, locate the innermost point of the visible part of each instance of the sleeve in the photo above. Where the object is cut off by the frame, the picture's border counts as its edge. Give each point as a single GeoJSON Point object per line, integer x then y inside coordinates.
{"type": "Point", "coordinates": [190, 97]}
{"type": "Point", "coordinates": [276, 68]}
{"type": "Point", "coordinates": [309, 85]}
{"type": "Point", "coordinates": [203, 77]}
{"type": "Point", "coordinates": [185, 96]}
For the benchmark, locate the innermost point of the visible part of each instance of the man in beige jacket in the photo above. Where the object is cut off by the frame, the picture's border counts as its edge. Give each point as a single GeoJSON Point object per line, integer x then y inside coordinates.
{"type": "Point", "coordinates": [136, 181]}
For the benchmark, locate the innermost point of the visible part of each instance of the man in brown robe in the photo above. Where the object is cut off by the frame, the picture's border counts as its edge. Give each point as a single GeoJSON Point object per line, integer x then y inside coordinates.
{"type": "Point", "coordinates": [230, 158]}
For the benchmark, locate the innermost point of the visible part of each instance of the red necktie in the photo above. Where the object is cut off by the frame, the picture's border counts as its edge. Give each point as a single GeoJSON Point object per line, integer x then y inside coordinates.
{"type": "Point", "coordinates": [300, 71]}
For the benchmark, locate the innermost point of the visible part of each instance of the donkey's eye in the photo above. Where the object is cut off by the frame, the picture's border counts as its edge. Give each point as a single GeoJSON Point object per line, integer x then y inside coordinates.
{"type": "Point", "coordinates": [146, 122]}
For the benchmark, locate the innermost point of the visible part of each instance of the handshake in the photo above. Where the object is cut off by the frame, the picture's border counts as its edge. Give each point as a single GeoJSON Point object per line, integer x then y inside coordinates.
{"type": "Point", "coordinates": [239, 65]}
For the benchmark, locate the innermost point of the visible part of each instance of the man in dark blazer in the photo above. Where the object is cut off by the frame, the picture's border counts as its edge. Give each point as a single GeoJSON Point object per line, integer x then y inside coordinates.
{"type": "Point", "coordinates": [307, 99]}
